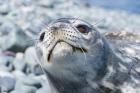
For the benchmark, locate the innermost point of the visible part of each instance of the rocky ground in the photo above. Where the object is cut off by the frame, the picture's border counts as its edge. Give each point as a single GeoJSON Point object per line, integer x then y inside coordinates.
{"type": "Point", "coordinates": [21, 21]}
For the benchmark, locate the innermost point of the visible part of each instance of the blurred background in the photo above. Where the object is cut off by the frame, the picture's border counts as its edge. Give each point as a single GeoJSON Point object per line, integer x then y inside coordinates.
{"type": "Point", "coordinates": [22, 20]}
{"type": "Point", "coordinates": [131, 6]}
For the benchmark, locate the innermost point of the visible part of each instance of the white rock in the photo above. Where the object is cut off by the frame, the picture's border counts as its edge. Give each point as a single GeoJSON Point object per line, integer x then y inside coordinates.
{"type": "Point", "coordinates": [7, 81]}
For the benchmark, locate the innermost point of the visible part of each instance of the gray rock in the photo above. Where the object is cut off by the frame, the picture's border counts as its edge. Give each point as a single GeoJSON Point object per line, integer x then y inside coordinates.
{"type": "Point", "coordinates": [26, 84]}
{"type": "Point", "coordinates": [2, 20]}
{"type": "Point", "coordinates": [4, 68]}
{"type": "Point", "coordinates": [4, 60]}
{"type": "Point", "coordinates": [37, 70]}
{"type": "Point", "coordinates": [31, 59]}
{"type": "Point", "coordinates": [137, 70]}
{"type": "Point", "coordinates": [46, 87]}
{"type": "Point", "coordinates": [34, 27]}
{"type": "Point", "coordinates": [30, 56]}
{"type": "Point", "coordinates": [24, 89]}
{"type": "Point", "coordinates": [7, 27]}
{"type": "Point", "coordinates": [16, 41]}
{"type": "Point", "coordinates": [46, 3]}
{"type": "Point", "coordinates": [7, 81]}
{"type": "Point", "coordinates": [19, 74]}
{"type": "Point", "coordinates": [27, 80]}
{"type": "Point", "coordinates": [4, 9]}
{"type": "Point", "coordinates": [19, 62]}
{"type": "Point", "coordinates": [32, 81]}
{"type": "Point", "coordinates": [6, 63]}
{"type": "Point", "coordinates": [26, 2]}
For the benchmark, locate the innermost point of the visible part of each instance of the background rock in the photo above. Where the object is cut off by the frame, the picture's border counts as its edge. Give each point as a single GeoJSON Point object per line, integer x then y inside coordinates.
{"type": "Point", "coordinates": [18, 41]}
{"type": "Point", "coordinates": [7, 81]}
{"type": "Point", "coordinates": [6, 63]}
{"type": "Point", "coordinates": [19, 63]}
{"type": "Point", "coordinates": [32, 61]}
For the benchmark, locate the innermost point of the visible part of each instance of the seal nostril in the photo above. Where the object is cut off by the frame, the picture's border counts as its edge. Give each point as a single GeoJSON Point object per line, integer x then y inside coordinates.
{"type": "Point", "coordinates": [42, 36]}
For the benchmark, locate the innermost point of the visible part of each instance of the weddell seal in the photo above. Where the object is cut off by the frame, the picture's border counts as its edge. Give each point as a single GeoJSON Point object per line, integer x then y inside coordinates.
{"type": "Point", "coordinates": [76, 57]}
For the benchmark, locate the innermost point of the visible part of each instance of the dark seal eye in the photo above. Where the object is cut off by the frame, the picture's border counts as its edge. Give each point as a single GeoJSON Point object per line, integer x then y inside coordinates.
{"type": "Point", "coordinates": [83, 28]}
{"type": "Point", "coordinates": [42, 36]}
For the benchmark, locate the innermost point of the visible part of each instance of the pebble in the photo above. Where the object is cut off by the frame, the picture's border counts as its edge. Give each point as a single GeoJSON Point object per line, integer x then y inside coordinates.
{"type": "Point", "coordinates": [6, 63]}
{"type": "Point", "coordinates": [32, 81]}
{"type": "Point", "coordinates": [7, 81]}
{"type": "Point", "coordinates": [31, 59]}
{"type": "Point", "coordinates": [19, 74]}
{"type": "Point", "coordinates": [17, 42]}
{"type": "Point", "coordinates": [4, 10]}
{"type": "Point", "coordinates": [8, 27]}
{"type": "Point", "coordinates": [19, 62]}
{"type": "Point", "coordinates": [24, 89]}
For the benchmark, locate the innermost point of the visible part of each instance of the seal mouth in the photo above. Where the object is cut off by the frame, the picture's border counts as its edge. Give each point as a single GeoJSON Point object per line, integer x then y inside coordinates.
{"type": "Point", "coordinates": [74, 48]}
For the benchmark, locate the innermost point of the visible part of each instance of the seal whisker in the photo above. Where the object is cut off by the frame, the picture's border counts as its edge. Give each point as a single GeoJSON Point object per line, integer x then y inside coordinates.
{"type": "Point", "coordinates": [98, 22]}
{"type": "Point", "coordinates": [76, 19]}
{"type": "Point", "coordinates": [82, 49]}
{"type": "Point", "coordinates": [84, 55]}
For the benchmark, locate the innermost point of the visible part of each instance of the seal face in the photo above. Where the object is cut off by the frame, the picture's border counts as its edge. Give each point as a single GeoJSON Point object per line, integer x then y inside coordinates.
{"type": "Point", "coordinates": [72, 53]}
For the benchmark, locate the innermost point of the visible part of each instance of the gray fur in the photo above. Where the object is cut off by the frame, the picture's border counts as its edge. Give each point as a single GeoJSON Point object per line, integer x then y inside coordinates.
{"type": "Point", "coordinates": [76, 72]}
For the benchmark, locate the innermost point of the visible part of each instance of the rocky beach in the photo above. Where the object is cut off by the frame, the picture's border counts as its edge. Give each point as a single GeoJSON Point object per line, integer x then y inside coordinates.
{"type": "Point", "coordinates": [22, 20]}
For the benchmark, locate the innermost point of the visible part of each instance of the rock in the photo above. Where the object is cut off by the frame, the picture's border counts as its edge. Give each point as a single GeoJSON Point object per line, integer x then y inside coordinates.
{"type": "Point", "coordinates": [24, 89]}
{"type": "Point", "coordinates": [37, 70]}
{"type": "Point", "coordinates": [26, 2]}
{"type": "Point", "coordinates": [19, 62]}
{"type": "Point", "coordinates": [2, 20]}
{"type": "Point", "coordinates": [7, 81]}
{"type": "Point", "coordinates": [6, 63]}
{"type": "Point", "coordinates": [4, 9]}
{"type": "Point", "coordinates": [16, 41]}
{"type": "Point", "coordinates": [7, 27]}
{"type": "Point", "coordinates": [30, 56]}
{"type": "Point", "coordinates": [9, 53]}
{"type": "Point", "coordinates": [46, 3]}
{"type": "Point", "coordinates": [19, 74]}
{"type": "Point", "coordinates": [34, 27]}
{"type": "Point", "coordinates": [4, 68]}
{"type": "Point", "coordinates": [26, 84]}
{"type": "Point", "coordinates": [46, 87]}
{"type": "Point", "coordinates": [127, 88]}
{"type": "Point", "coordinates": [4, 60]}
{"type": "Point", "coordinates": [31, 59]}
{"type": "Point", "coordinates": [32, 81]}
{"type": "Point", "coordinates": [27, 80]}
{"type": "Point", "coordinates": [137, 69]}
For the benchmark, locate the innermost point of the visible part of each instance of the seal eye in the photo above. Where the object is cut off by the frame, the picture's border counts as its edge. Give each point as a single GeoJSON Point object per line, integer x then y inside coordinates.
{"type": "Point", "coordinates": [42, 36]}
{"type": "Point", "coordinates": [83, 28]}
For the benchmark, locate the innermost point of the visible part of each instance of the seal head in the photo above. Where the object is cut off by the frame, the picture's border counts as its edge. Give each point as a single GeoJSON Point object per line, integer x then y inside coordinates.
{"type": "Point", "coordinates": [72, 53]}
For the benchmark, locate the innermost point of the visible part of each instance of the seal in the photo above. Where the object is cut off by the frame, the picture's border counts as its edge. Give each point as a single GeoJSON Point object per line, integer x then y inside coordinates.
{"type": "Point", "coordinates": [75, 56]}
